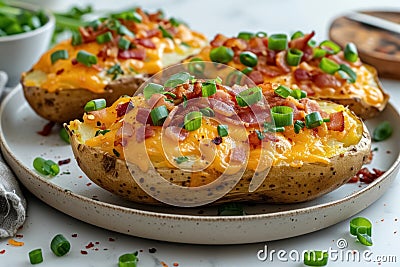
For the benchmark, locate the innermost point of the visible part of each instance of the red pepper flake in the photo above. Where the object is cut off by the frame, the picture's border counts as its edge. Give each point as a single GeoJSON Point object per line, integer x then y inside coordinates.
{"type": "Point", "coordinates": [97, 242]}
{"type": "Point", "coordinates": [47, 129]}
{"type": "Point", "coordinates": [19, 236]}
{"type": "Point", "coordinates": [96, 249]}
{"type": "Point", "coordinates": [141, 250]}
{"type": "Point", "coordinates": [64, 161]}
{"type": "Point", "coordinates": [90, 245]}
{"type": "Point", "coordinates": [84, 252]}
{"type": "Point", "coordinates": [74, 235]}
{"type": "Point", "coordinates": [388, 151]}
{"type": "Point", "coordinates": [152, 250]}
{"type": "Point", "coordinates": [111, 239]}
{"type": "Point", "coordinates": [175, 264]}
{"type": "Point", "coordinates": [74, 61]}
{"type": "Point", "coordinates": [88, 184]}
{"type": "Point", "coordinates": [59, 71]}
{"type": "Point", "coordinates": [80, 176]}
{"type": "Point", "coordinates": [366, 176]}
{"type": "Point", "coordinates": [2, 251]}
{"type": "Point", "coordinates": [382, 220]}
{"type": "Point", "coordinates": [164, 264]}
{"type": "Point", "coordinates": [217, 140]}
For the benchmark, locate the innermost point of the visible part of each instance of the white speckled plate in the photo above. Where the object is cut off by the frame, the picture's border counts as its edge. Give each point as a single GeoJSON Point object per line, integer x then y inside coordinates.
{"type": "Point", "coordinates": [72, 192]}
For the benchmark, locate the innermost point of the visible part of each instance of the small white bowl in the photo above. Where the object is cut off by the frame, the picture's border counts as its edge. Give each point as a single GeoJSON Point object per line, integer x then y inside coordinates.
{"type": "Point", "coordinates": [19, 52]}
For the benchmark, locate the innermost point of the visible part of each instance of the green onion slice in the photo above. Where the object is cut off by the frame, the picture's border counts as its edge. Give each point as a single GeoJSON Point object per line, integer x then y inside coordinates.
{"type": "Point", "coordinates": [350, 52]}
{"type": "Point", "coordinates": [330, 47]}
{"type": "Point", "coordinates": [231, 209]}
{"type": "Point", "coordinates": [165, 33]}
{"type": "Point", "coordinates": [245, 35]}
{"type": "Point", "coordinates": [196, 66]}
{"type": "Point", "coordinates": [303, 94]}
{"type": "Point", "coordinates": [124, 44]}
{"type": "Point", "coordinates": [181, 159]}
{"type": "Point", "coordinates": [315, 258]}
{"type": "Point", "coordinates": [64, 135]}
{"type": "Point", "coordinates": [151, 89]}
{"type": "Point", "coordinates": [298, 125]}
{"type": "Point", "coordinates": [177, 79]}
{"type": "Point", "coordinates": [36, 256]}
{"type": "Point", "coordinates": [318, 52]}
{"type": "Point", "coordinates": [296, 35]}
{"type": "Point", "coordinates": [347, 73]}
{"type": "Point", "coordinates": [46, 167]}
{"type": "Point", "coordinates": [169, 94]}
{"type": "Point", "coordinates": [382, 132]}
{"type": "Point", "coordinates": [128, 260]}
{"type": "Point", "coordinates": [248, 58]}
{"type": "Point", "coordinates": [86, 58]}
{"type": "Point", "coordinates": [104, 38]}
{"type": "Point", "coordinates": [95, 104]}
{"type": "Point", "coordinates": [282, 115]}
{"type": "Point", "coordinates": [249, 96]}
{"type": "Point", "coordinates": [102, 132]}
{"type": "Point", "coordinates": [193, 120]}
{"type": "Point", "coordinates": [59, 54]}
{"type": "Point", "coordinates": [123, 30]}
{"type": "Point", "coordinates": [313, 120]}
{"type": "Point", "coordinates": [222, 130]}
{"type": "Point", "coordinates": [362, 228]}
{"type": "Point", "coordinates": [293, 57]}
{"type": "Point", "coordinates": [60, 245]}
{"type": "Point", "coordinates": [261, 34]}
{"type": "Point", "coordinates": [221, 54]}
{"type": "Point", "coordinates": [296, 93]}
{"type": "Point", "coordinates": [76, 38]}
{"type": "Point", "coordinates": [158, 115]}
{"type": "Point", "coordinates": [283, 91]}
{"type": "Point", "coordinates": [208, 112]}
{"type": "Point", "coordinates": [329, 66]}
{"type": "Point", "coordinates": [208, 88]}
{"type": "Point", "coordinates": [94, 24]}
{"type": "Point", "coordinates": [247, 70]}
{"type": "Point", "coordinates": [277, 42]}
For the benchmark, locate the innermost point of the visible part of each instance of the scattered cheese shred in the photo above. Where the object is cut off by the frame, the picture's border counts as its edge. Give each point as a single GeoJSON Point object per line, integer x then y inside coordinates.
{"type": "Point", "coordinates": [15, 243]}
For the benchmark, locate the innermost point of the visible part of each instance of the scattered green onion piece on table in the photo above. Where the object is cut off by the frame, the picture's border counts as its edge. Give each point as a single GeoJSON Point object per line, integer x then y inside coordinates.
{"type": "Point", "coordinates": [296, 35]}
{"type": "Point", "coordinates": [208, 89]}
{"type": "Point", "coordinates": [151, 89]}
{"type": "Point", "coordinates": [328, 66]}
{"type": "Point", "coordinates": [363, 236]}
{"type": "Point", "coordinates": [261, 34]}
{"type": "Point", "coordinates": [248, 58]}
{"type": "Point", "coordinates": [208, 112]}
{"type": "Point", "coordinates": [158, 115]}
{"type": "Point", "coordinates": [330, 47]}
{"type": "Point", "coordinates": [315, 258]}
{"type": "Point", "coordinates": [348, 74]}
{"type": "Point", "coordinates": [196, 66]}
{"type": "Point", "coordinates": [282, 115]}
{"type": "Point", "coordinates": [124, 43]}
{"type": "Point", "coordinates": [177, 79]}
{"type": "Point", "coordinates": [95, 104]}
{"type": "Point", "coordinates": [231, 209]}
{"type": "Point", "coordinates": [193, 120]}
{"type": "Point", "coordinates": [318, 52]}
{"type": "Point", "coordinates": [382, 132]}
{"type": "Point", "coordinates": [86, 58]}
{"type": "Point", "coordinates": [277, 42]}
{"type": "Point", "coordinates": [128, 260]}
{"type": "Point", "coordinates": [298, 125]}
{"type": "Point", "coordinates": [293, 57]}
{"type": "Point", "coordinates": [181, 159]}
{"type": "Point", "coordinates": [38, 164]}
{"type": "Point", "coordinates": [51, 167]}
{"type": "Point", "coordinates": [249, 96]}
{"type": "Point", "coordinates": [221, 54]}
{"type": "Point", "coordinates": [64, 135]}
{"type": "Point", "coordinates": [222, 130]}
{"type": "Point", "coordinates": [60, 245]}
{"type": "Point", "coordinates": [104, 38]}
{"type": "Point", "coordinates": [362, 228]}
{"type": "Point", "coordinates": [283, 91]}
{"type": "Point", "coordinates": [165, 33]}
{"type": "Point", "coordinates": [350, 52]}
{"type": "Point", "coordinates": [36, 256]}
{"type": "Point", "coordinates": [57, 55]}
{"type": "Point", "coordinates": [245, 35]}
{"type": "Point", "coordinates": [247, 70]}
{"type": "Point", "coordinates": [313, 120]}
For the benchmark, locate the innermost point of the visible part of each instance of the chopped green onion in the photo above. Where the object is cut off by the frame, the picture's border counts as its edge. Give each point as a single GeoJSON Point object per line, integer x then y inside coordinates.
{"type": "Point", "coordinates": [218, 80]}
{"type": "Point", "coordinates": [185, 101]}
{"type": "Point", "coordinates": [347, 73]}
{"type": "Point", "coordinates": [116, 153]}
{"type": "Point", "coordinates": [208, 112]}
{"type": "Point", "coordinates": [260, 135]}
{"type": "Point", "coordinates": [261, 34]}
{"type": "Point", "coordinates": [222, 130]}
{"type": "Point", "coordinates": [86, 58]}
{"type": "Point", "coordinates": [64, 135]}
{"type": "Point", "coordinates": [326, 120]}
{"type": "Point", "coordinates": [382, 132]}
{"type": "Point", "coordinates": [151, 89]}
{"type": "Point", "coordinates": [312, 43]}
{"type": "Point", "coordinates": [196, 66]}
{"type": "Point", "coordinates": [169, 94]}
{"type": "Point", "coordinates": [296, 35]}
{"type": "Point", "coordinates": [269, 127]}
{"type": "Point", "coordinates": [247, 70]}
{"type": "Point", "coordinates": [249, 96]}
{"type": "Point", "coordinates": [76, 38]}
{"type": "Point", "coordinates": [104, 38]}
{"type": "Point", "coordinates": [128, 260]}
{"type": "Point", "coordinates": [318, 52]}
{"type": "Point", "coordinates": [313, 120]}
{"type": "Point", "coordinates": [328, 66]}
{"type": "Point", "coordinates": [128, 15]}
{"type": "Point", "coordinates": [277, 42]}
{"type": "Point", "coordinates": [283, 91]}
{"type": "Point", "coordinates": [248, 58]}
{"type": "Point", "coordinates": [35, 256]}
{"type": "Point", "coordinates": [174, 22]}
{"type": "Point", "coordinates": [296, 94]}
{"type": "Point", "coordinates": [102, 132]}
{"type": "Point", "coordinates": [46, 167]}
{"type": "Point", "coordinates": [177, 79]}
{"type": "Point", "coordinates": [298, 125]}
{"type": "Point", "coordinates": [282, 115]}
{"type": "Point", "coordinates": [165, 33]}
{"type": "Point", "coordinates": [158, 115]}
{"type": "Point", "coordinates": [95, 104]}
{"type": "Point", "coordinates": [221, 54]}
{"type": "Point", "coordinates": [362, 228]}
{"type": "Point", "coordinates": [59, 54]}
{"type": "Point", "coordinates": [315, 258]}
{"type": "Point", "coordinates": [245, 35]}
{"type": "Point", "coordinates": [330, 47]}
{"type": "Point", "coordinates": [303, 94]}
{"type": "Point", "coordinates": [231, 209]}
{"type": "Point", "coordinates": [208, 88]}
{"type": "Point", "coordinates": [124, 44]}
{"type": "Point", "coordinates": [181, 159]}
{"type": "Point", "coordinates": [123, 30]}
{"type": "Point", "coordinates": [293, 57]}
{"type": "Point", "coordinates": [193, 120]}
{"type": "Point", "coordinates": [350, 52]}
{"type": "Point", "coordinates": [60, 245]}
{"type": "Point", "coordinates": [115, 70]}
{"type": "Point", "coordinates": [94, 24]}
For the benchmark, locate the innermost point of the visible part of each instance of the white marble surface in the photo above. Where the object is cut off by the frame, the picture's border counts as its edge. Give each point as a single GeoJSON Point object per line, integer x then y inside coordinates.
{"type": "Point", "coordinates": [210, 17]}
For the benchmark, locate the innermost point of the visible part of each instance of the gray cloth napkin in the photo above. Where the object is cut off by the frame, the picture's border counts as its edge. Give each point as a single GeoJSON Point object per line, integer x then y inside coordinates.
{"type": "Point", "coordinates": [12, 202]}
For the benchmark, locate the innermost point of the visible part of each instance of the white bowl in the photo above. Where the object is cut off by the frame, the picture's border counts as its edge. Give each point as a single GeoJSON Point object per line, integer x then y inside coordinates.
{"type": "Point", "coordinates": [19, 52]}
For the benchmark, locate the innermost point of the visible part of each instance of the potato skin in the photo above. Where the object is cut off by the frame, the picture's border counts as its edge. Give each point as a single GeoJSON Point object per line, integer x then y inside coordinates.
{"type": "Point", "coordinates": [284, 184]}
{"type": "Point", "coordinates": [65, 105]}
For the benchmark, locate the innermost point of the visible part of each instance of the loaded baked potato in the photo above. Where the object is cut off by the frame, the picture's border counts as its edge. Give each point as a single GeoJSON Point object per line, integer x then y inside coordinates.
{"type": "Point", "coordinates": [106, 59]}
{"type": "Point", "coordinates": [305, 148]}
{"type": "Point", "coordinates": [324, 70]}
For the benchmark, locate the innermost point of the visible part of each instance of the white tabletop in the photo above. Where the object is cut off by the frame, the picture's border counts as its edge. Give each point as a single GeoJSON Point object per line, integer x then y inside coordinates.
{"type": "Point", "coordinates": [211, 17]}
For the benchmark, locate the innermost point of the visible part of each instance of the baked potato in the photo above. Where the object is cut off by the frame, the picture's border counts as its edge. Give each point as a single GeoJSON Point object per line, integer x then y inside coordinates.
{"type": "Point", "coordinates": [277, 148]}
{"type": "Point", "coordinates": [324, 71]}
{"type": "Point", "coordinates": [106, 59]}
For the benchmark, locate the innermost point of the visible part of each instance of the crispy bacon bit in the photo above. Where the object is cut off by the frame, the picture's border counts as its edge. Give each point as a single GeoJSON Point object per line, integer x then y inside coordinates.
{"type": "Point", "coordinates": [222, 108]}
{"type": "Point", "coordinates": [323, 80]}
{"type": "Point", "coordinates": [271, 54]}
{"type": "Point", "coordinates": [257, 46]}
{"type": "Point", "coordinates": [64, 161]}
{"type": "Point", "coordinates": [176, 133]}
{"type": "Point", "coordinates": [301, 75]}
{"type": "Point", "coordinates": [47, 129]}
{"type": "Point", "coordinates": [124, 108]}
{"type": "Point", "coordinates": [123, 134]}
{"type": "Point", "coordinates": [256, 76]}
{"type": "Point", "coordinates": [271, 71]}
{"type": "Point", "coordinates": [153, 33]}
{"type": "Point", "coordinates": [137, 53]}
{"type": "Point", "coordinates": [219, 40]}
{"type": "Point", "coordinates": [366, 176]}
{"type": "Point", "coordinates": [59, 71]}
{"type": "Point", "coordinates": [238, 155]}
{"type": "Point", "coordinates": [217, 140]}
{"type": "Point", "coordinates": [336, 122]}
{"type": "Point", "coordinates": [302, 42]}
{"type": "Point", "coordinates": [281, 62]}
{"type": "Point", "coordinates": [146, 42]}
{"type": "Point", "coordinates": [312, 106]}
{"type": "Point", "coordinates": [90, 245]}
{"type": "Point", "coordinates": [2, 251]}
{"type": "Point", "coordinates": [144, 132]}
{"type": "Point", "coordinates": [143, 115]}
